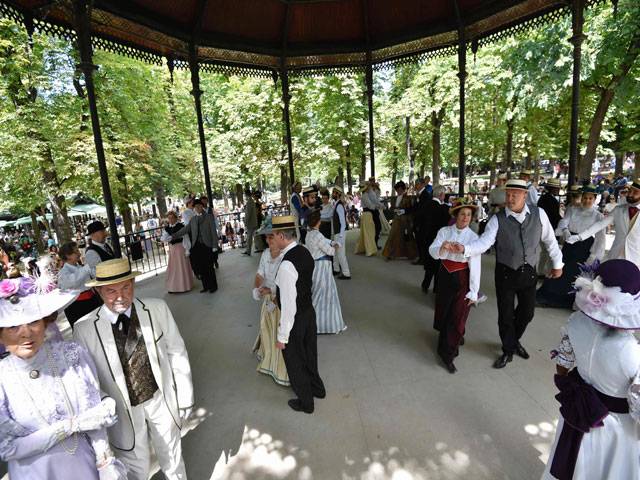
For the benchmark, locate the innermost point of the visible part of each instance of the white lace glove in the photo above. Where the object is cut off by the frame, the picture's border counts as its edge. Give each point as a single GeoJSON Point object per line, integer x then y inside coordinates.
{"type": "Point", "coordinates": [566, 233]}
{"type": "Point", "coordinates": [114, 469]}
{"type": "Point", "coordinates": [399, 211]}
{"type": "Point", "coordinates": [185, 413]}
{"type": "Point", "coordinates": [573, 239]}
{"type": "Point", "coordinates": [102, 415]}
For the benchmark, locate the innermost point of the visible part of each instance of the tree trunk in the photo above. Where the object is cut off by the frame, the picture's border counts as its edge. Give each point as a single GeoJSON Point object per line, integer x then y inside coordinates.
{"type": "Point", "coordinates": [347, 154]}
{"type": "Point", "coordinates": [436, 125]}
{"type": "Point", "coordinates": [407, 141]}
{"type": "Point", "coordinates": [363, 163]}
{"type": "Point", "coordinates": [239, 194]}
{"type": "Point", "coordinates": [619, 163]}
{"type": "Point", "coordinates": [284, 185]}
{"type": "Point", "coordinates": [161, 201]}
{"type": "Point", "coordinates": [234, 201]}
{"type": "Point", "coordinates": [225, 198]}
{"type": "Point", "coordinates": [125, 210]}
{"type": "Point", "coordinates": [37, 234]}
{"type": "Point", "coordinates": [394, 167]}
{"type": "Point", "coordinates": [509, 144]}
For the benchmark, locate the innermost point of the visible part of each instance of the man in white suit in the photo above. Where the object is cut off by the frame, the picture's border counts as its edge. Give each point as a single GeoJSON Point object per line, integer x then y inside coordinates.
{"type": "Point", "coordinates": [624, 218]}
{"type": "Point", "coordinates": [142, 363]}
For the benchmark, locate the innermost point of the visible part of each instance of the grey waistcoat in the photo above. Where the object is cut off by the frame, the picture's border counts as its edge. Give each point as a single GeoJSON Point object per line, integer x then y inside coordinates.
{"type": "Point", "coordinates": [518, 243]}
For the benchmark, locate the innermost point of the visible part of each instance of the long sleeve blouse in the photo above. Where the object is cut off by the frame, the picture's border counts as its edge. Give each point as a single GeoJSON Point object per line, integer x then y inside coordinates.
{"type": "Point", "coordinates": [74, 277]}
{"type": "Point", "coordinates": [578, 220]}
{"type": "Point", "coordinates": [318, 245]}
{"type": "Point", "coordinates": [464, 236]}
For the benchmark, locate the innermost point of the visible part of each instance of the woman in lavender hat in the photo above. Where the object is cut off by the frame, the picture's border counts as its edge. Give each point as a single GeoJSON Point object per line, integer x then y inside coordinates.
{"type": "Point", "coordinates": [598, 364]}
{"type": "Point", "coordinates": [52, 418]}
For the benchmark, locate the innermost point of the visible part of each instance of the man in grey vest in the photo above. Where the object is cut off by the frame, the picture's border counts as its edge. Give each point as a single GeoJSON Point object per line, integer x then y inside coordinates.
{"type": "Point", "coordinates": [517, 232]}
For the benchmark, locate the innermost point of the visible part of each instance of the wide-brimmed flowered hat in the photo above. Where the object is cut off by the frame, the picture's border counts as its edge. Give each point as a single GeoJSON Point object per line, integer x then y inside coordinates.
{"type": "Point", "coordinates": [27, 299]}
{"type": "Point", "coordinates": [609, 293]}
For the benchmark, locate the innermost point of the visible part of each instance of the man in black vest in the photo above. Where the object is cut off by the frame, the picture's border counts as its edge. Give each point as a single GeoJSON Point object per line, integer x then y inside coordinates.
{"type": "Point", "coordinates": [297, 330]}
{"type": "Point", "coordinates": [99, 250]}
{"type": "Point", "coordinates": [517, 232]}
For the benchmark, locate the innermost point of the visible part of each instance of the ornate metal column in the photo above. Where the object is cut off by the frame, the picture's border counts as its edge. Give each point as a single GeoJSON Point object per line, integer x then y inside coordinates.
{"type": "Point", "coordinates": [83, 29]}
{"type": "Point", "coordinates": [462, 75]}
{"type": "Point", "coordinates": [369, 81]}
{"type": "Point", "coordinates": [577, 18]}
{"type": "Point", "coordinates": [286, 98]}
{"type": "Point", "coordinates": [194, 67]}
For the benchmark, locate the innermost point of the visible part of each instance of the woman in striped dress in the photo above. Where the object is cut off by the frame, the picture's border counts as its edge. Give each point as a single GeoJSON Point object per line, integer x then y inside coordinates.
{"type": "Point", "coordinates": [324, 292]}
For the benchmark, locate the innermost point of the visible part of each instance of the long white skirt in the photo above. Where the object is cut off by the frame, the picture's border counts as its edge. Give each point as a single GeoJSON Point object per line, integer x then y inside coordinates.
{"type": "Point", "coordinates": [325, 299]}
{"type": "Point", "coordinates": [608, 452]}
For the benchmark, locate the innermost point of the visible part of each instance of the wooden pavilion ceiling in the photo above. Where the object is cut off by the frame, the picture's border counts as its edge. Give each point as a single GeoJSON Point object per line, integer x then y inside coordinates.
{"type": "Point", "coordinates": [263, 35]}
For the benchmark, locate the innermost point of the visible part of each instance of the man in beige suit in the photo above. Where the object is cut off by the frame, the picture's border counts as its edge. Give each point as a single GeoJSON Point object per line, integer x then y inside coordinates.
{"type": "Point", "coordinates": [143, 365]}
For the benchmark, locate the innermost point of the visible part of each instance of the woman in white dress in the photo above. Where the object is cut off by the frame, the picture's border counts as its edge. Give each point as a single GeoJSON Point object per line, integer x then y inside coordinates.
{"type": "Point", "coordinates": [270, 358]}
{"type": "Point", "coordinates": [324, 292]}
{"type": "Point", "coordinates": [558, 292]}
{"type": "Point", "coordinates": [458, 282]}
{"type": "Point", "coordinates": [598, 367]}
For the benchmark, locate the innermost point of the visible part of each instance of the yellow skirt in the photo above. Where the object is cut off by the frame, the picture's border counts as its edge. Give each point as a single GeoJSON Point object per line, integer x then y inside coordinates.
{"type": "Point", "coordinates": [270, 358]}
{"type": "Point", "coordinates": [367, 241]}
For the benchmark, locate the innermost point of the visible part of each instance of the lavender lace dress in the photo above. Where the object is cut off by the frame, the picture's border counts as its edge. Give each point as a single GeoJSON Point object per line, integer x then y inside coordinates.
{"type": "Point", "coordinates": [29, 405]}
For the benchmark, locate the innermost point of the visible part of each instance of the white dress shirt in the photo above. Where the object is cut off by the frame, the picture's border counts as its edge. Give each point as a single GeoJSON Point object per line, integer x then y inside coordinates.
{"type": "Point", "coordinates": [532, 196]}
{"type": "Point", "coordinates": [187, 215]}
{"type": "Point", "coordinates": [74, 277]}
{"type": "Point", "coordinates": [339, 208]}
{"type": "Point", "coordinates": [578, 220]}
{"type": "Point", "coordinates": [113, 316]}
{"type": "Point", "coordinates": [286, 279]}
{"type": "Point", "coordinates": [464, 236]}
{"type": "Point", "coordinates": [488, 238]}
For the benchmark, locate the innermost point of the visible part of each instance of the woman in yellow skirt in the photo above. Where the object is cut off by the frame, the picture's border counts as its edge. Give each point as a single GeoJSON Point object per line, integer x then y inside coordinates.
{"type": "Point", "coordinates": [270, 358]}
{"type": "Point", "coordinates": [367, 241]}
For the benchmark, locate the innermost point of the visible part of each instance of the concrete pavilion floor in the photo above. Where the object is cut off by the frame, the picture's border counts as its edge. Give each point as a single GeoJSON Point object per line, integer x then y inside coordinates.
{"type": "Point", "coordinates": [391, 411]}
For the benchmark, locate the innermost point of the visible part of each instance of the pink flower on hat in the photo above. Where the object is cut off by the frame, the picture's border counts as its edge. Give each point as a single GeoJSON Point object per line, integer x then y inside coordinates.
{"type": "Point", "coordinates": [8, 288]}
{"type": "Point", "coordinates": [597, 300]}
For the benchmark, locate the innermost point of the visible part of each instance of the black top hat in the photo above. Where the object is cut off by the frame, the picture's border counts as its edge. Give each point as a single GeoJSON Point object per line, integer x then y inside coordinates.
{"type": "Point", "coordinates": [96, 226]}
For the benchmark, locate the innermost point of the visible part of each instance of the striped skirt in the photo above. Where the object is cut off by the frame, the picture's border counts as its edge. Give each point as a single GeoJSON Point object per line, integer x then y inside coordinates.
{"type": "Point", "coordinates": [270, 358]}
{"type": "Point", "coordinates": [325, 299]}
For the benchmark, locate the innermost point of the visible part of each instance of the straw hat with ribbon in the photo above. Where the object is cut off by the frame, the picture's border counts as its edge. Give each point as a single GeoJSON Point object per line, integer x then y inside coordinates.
{"type": "Point", "coordinates": [462, 203]}
{"type": "Point", "coordinates": [516, 184]}
{"type": "Point", "coordinates": [553, 183]}
{"type": "Point", "coordinates": [282, 222]}
{"type": "Point", "coordinates": [113, 271]}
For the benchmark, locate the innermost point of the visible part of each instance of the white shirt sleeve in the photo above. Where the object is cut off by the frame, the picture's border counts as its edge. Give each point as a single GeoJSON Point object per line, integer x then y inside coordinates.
{"type": "Point", "coordinates": [598, 226]}
{"type": "Point", "coordinates": [342, 218]}
{"type": "Point", "coordinates": [434, 248]}
{"type": "Point", "coordinates": [599, 243]}
{"type": "Point", "coordinates": [286, 281]}
{"type": "Point", "coordinates": [91, 260]}
{"type": "Point", "coordinates": [532, 195]}
{"type": "Point", "coordinates": [74, 278]}
{"type": "Point", "coordinates": [548, 238]}
{"type": "Point", "coordinates": [486, 240]}
{"type": "Point", "coordinates": [563, 224]}
{"type": "Point", "coordinates": [474, 277]}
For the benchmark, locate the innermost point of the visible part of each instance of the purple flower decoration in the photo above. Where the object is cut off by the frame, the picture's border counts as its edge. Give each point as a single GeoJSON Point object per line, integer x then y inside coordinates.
{"type": "Point", "coordinates": [27, 286]}
{"type": "Point", "coordinates": [9, 287]}
{"type": "Point", "coordinates": [589, 269]}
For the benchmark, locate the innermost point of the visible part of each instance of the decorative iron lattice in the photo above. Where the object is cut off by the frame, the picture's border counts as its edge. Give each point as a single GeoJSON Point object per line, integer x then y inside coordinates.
{"type": "Point", "coordinates": [55, 31]}
{"type": "Point", "coordinates": [338, 71]}
{"type": "Point", "coordinates": [11, 13]}
{"type": "Point", "coordinates": [235, 70]}
{"type": "Point", "coordinates": [125, 51]}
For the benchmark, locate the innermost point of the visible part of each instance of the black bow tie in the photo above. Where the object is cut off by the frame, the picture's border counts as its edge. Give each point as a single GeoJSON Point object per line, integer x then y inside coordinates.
{"type": "Point", "coordinates": [123, 323]}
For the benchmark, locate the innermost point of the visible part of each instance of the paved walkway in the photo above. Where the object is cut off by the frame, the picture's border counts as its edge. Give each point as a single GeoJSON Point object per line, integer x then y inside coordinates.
{"type": "Point", "coordinates": [391, 411]}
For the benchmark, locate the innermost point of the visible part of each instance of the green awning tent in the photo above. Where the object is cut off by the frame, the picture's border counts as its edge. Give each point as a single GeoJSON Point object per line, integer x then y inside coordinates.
{"type": "Point", "coordinates": [27, 220]}
{"type": "Point", "coordinates": [87, 209]}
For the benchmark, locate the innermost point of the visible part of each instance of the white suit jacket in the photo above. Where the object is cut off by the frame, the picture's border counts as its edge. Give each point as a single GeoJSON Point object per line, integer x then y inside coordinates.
{"type": "Point", "coordinates": [627, 241]}
{"type": "Point", "coordinates": [167, 355]}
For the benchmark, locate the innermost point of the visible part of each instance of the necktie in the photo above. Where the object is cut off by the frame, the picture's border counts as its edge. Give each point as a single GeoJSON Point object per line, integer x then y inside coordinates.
{"type": "Point", "coordinates": [123, 324]}
{"type": "Point", "coordinates": [108, 249]}
{"type": "Point", "coordinates": [632, 212]}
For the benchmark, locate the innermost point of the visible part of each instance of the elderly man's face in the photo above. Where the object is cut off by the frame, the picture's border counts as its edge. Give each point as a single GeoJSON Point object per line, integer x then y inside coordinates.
{"type": "Point", "coordinates": [99, 236]}
{"type": "Point", "coordinates": [515, 199]}
{"type": "Point", "coordinates": [119, 296]}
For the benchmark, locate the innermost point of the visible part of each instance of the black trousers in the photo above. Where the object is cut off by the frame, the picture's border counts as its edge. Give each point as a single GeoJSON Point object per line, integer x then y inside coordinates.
{"type": "Point", "coordinates": [301, 358]}
{"type": "Point", "coordinates": [431, 267]}
{"type": "Point", "coordinates": [80, 308]}
{"type": "Point", "coordinates": [376, 222]}
{"type": "Point", "coordinates": [202, 258]}
{"type": "Point", "coordinates": [512, 284]}
{"type": "Point", "coordinates": [423, 248]}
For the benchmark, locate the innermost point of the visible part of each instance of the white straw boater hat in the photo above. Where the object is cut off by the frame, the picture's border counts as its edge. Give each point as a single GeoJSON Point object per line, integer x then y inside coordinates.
{"type": "Point", "coordinates": [516, 184]}
{"type": "Point", "coordinates": [31, 298]}
{"type": "Point", "coordinates": [112, 271]}
{"type": "Point", "coordinates": [609, 293]}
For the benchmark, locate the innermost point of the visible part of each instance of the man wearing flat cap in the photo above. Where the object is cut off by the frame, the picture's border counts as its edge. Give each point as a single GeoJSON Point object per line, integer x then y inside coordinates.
{"type": "Point", "coordinates": [142, 363]}
{"type": "Point", "coordinates": [99, 250]}
{"type": "Point", "coordinates": [517, 232]}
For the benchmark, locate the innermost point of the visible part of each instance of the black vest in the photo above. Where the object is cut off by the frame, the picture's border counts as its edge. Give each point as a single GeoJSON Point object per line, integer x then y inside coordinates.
{"type": "Point", "coordinates": [303, 262]}
{"type": "Point", "coordinates": [104, 255]}
{"type": "Point", "coordinates": [336, 218]}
